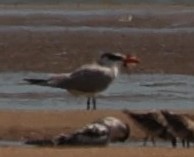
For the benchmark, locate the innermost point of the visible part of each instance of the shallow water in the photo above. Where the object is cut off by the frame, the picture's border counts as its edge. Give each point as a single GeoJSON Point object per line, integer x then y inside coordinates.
{"type": "Point", "coordinates": [141, 91]}
{"type": "Point", "coordinates": [88, 29]}
{"type": "Point", "coordinates": [98, 12]}
{"type": "Point", "coordinates": [133, 20]}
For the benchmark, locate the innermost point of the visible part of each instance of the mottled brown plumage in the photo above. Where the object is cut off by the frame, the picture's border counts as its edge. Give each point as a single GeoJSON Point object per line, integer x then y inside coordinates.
{"type": "Point", "coordinates": [153, 125]}
{"type": "Point", "coordinates": [181, 126]}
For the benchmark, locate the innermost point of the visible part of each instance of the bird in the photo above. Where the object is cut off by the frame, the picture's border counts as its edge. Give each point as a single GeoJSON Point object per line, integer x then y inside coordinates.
{"type": "Point", "coordinates": [153, 125]}
{"type": "Point", "coordinates": [90, 135]}
{"type": "Point", "coordinates": [90, 79]}
{"type": "Point", "coordinates": [98, 133]}
{"type": "Point", "coordinates": [181, 125]}
{"type": "Point", "coordinates": [120, 131]}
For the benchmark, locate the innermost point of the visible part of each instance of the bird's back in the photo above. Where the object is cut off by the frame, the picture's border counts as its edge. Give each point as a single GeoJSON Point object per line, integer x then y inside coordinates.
{"type": "Point", "coordinates": [176, 121]}
{"type": "Point", "coordinates": [91, 78]}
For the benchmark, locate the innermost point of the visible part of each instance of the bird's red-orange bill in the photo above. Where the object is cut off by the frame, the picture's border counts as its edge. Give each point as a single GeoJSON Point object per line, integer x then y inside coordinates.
{"type": "Point", "coordinates": [131, 61]}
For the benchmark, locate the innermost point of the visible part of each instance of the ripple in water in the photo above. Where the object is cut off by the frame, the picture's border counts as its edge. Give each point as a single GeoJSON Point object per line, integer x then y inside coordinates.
{"type": "Point", "coordinates": [141, 91]}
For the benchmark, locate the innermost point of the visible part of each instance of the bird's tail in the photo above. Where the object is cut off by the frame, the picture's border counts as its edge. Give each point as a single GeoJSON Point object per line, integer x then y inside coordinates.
{"type": "Point", "coordinates": [41, 82]}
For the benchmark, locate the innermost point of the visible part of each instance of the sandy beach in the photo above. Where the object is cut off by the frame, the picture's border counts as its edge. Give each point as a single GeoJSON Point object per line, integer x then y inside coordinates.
{"type": "Point", "coordinates": [27, 44]}
{"type": "Point", "coordinates": [20, 125]}
{"type": "Point", "coordinates": [94, 152]}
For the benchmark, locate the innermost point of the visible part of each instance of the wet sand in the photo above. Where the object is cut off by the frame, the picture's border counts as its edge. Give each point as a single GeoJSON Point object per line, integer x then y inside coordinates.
{"type": "Point", "coordinates": [53, 51]}
{"type": "Point", "coordinates": [58, 48]}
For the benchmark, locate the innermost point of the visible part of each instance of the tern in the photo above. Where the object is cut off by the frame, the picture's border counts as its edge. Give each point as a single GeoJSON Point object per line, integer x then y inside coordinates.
{"type": "Point", "coordinates": [90, 79]}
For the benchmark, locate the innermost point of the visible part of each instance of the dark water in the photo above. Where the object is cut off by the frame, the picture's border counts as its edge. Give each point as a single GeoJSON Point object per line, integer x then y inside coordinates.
{"type": "Point", "coordinates": [141, 91]}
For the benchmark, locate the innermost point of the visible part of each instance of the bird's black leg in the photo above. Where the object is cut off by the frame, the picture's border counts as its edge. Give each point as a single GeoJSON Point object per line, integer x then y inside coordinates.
{"type": "Point", "coordinates": [94, 103]}
{"type": "Point", "coordinates": [145, 141]}
{"type": "Point", "coordinates": [188, 143]}
{"type": "Point", "coordinates": [174, 142]}
{"type": "Point", "coordinates": [183, 142]}
{"type": "Point", "coordinates": [88, 103]}
{"type": "Point", "coordinates": [153, 141]}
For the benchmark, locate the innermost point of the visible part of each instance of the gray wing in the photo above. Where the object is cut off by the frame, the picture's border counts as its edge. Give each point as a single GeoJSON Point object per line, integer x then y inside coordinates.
{"type": "Point", "coordinates": [90, 79]}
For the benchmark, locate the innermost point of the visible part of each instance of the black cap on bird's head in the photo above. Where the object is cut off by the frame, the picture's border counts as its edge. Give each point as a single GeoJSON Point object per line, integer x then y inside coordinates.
{"type": "Point", "coordinates": [113, 56]}
{"type": "Point", "coordinates": [119, 57]}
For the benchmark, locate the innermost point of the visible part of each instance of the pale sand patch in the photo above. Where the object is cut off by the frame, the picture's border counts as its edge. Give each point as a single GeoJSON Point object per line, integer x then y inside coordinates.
{"type": "Point", "coordinates": [96, 152]}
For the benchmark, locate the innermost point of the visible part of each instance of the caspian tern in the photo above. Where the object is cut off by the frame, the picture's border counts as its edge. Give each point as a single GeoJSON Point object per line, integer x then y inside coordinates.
{"type": "Point", "coordinates": [88, 80]}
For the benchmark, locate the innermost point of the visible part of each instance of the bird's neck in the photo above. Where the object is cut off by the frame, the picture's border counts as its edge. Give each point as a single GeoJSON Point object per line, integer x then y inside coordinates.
{"type": "Point", "coordinates": [114, 67]}
{"type": "Point", "coordinates": [115, 70]}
